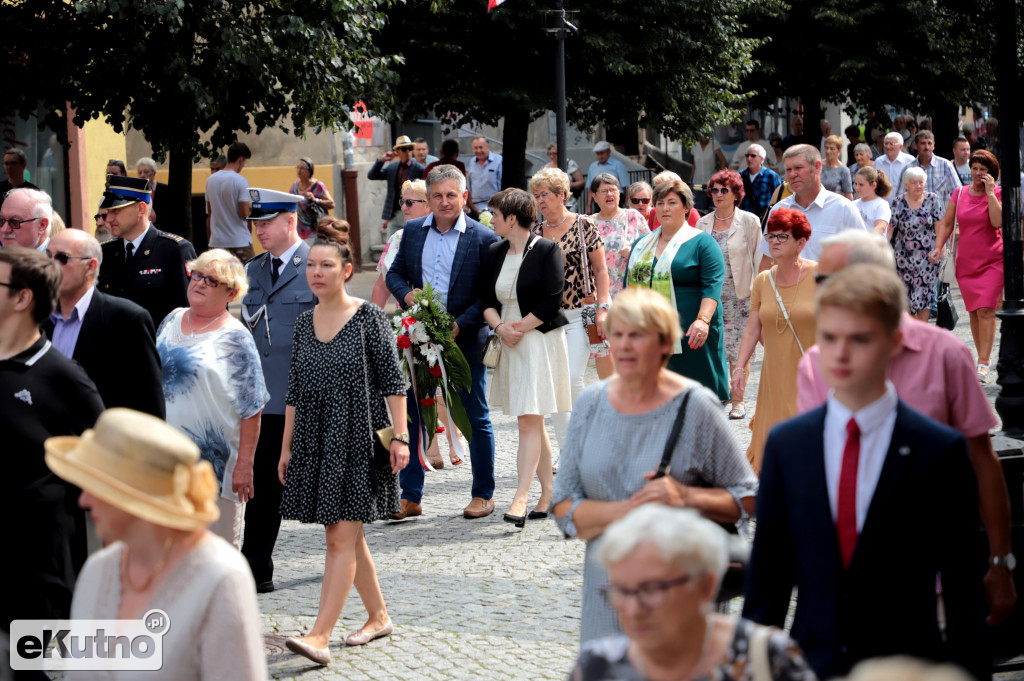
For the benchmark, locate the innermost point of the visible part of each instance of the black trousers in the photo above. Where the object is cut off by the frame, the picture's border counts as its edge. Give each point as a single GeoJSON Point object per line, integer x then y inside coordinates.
{"type": "Point", "coordinates": [263, 511]}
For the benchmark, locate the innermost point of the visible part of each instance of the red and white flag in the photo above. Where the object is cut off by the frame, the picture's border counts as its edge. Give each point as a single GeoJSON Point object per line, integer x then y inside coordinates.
{"type": "Point", "coordinates": [491, 4]}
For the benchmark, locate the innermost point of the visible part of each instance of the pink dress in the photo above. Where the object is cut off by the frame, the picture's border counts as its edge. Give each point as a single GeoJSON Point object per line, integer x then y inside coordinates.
{"type": "Point", "coordinates": [979, 253]}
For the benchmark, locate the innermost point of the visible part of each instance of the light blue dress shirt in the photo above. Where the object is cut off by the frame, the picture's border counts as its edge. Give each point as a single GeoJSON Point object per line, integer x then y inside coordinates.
{"type": "Point", "coordinates": [65, 331]}
{"type": "Point", "coordinates": [484, 180]}
{"type": "Point", "coordinates": [613, 166]}
{"type": "Point", "coordinates": [439, 254]}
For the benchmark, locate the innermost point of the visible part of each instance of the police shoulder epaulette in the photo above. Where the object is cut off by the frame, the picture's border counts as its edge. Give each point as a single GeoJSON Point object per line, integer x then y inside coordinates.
{"type": "Point", "coordinates": [109, 241]}
{"type": "Point", "coordinates": [172, 237]}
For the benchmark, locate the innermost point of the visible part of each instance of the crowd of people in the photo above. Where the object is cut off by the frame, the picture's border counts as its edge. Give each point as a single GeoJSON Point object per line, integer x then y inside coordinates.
{"type": "Point", "coordinates": [299, 409]}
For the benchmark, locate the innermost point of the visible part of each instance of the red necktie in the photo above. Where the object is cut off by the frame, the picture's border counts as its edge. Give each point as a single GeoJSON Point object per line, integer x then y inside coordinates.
{"type": "Point", "coordinates": [846, 513]}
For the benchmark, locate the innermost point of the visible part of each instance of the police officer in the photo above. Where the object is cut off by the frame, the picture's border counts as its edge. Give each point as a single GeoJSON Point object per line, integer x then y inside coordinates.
{"type": "Point", "coordinates": [141, 263]}
{"type": "Point", "coordinates": [278, 294]}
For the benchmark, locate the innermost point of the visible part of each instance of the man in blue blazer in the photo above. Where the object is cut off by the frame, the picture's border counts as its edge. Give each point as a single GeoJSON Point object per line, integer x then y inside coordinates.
{"type": "Point", "coordinates": [278, 294]}
{"type": "Point", "coordinates": [864, 502]}
{"type": "Point", "coordinates": [446, 249]}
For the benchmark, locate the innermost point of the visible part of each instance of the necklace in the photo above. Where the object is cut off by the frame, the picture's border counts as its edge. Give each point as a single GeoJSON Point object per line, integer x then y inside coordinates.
{"type": "Point", "coordinates": [126, 557]}
{"type": "Point", "coordinates": [192, 332]}
{"type": "Point", "coordinates": [727, 217]}
{"type": "Point", "coordinates": [556, 226]}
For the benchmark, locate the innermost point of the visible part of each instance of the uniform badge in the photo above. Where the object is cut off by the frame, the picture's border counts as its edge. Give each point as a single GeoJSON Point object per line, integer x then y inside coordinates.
{"type": "Point", "coordinates": [904, 450]}
{"type": "Point", "coordinates": [146, 252]}
{"type": "Point", "coordinates": [296, 260]}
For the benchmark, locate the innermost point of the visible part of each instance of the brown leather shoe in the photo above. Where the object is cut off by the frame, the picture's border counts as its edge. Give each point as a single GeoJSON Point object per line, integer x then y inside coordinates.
{"type": "Point", "coordinates": [409, 509]}
{"type": "Point", "coordinates": [478, 508]}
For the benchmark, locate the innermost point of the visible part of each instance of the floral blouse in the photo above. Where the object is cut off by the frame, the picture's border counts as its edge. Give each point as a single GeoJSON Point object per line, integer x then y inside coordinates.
{"type": "Point", "coordinates": [572, 250]}
{"type": "Point", "coordinates": [618, 233]}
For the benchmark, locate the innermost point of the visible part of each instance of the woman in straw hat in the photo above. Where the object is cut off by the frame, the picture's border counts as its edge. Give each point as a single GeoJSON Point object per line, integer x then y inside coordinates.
{"type": "Point", "coordinates": [151, 500]}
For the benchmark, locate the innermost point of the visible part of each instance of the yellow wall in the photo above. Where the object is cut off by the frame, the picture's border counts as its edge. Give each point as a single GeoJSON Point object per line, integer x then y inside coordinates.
{"type": "Point", "coordinates": [102, 145]}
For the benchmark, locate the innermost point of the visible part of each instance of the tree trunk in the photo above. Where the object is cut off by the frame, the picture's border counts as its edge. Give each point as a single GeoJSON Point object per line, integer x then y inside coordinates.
{"type": "Point", "coordinates": [945, 125]}
{"type": "Point", "coordinates": [177, 214]}
{"type": "Point", "coordinates": [513, 151]}
{"type": "Point", "coordinates": [813, 113]}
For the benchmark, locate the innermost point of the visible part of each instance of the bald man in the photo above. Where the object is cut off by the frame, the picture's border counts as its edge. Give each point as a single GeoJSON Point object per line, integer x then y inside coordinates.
{"type": "Point", "coordinates": [112, 338]}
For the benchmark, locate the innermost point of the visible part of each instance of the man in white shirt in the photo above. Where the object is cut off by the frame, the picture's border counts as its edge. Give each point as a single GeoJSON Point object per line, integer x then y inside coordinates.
{"type": "Point", "coordinates": [841, 492]}
{"type": "Point", "coordinates": [829, 213]}
{"type": "Point", "coordinates": [228, 206]}
{"type": "Point", "coordinates": [753, 132]}
{"type": "Point", "coordinates": [893, 161]}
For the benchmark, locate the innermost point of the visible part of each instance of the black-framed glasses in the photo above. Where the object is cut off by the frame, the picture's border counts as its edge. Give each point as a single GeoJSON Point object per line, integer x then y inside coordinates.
{"type": "Point", "coordinates": [715, 191]}
{"type": "Point", "coordinates": [649, 595]}
{"type": "Point", "coordinates": [63, 257]}
{"type": "Point", "coordinates": [635, 201]}
{"type": "Point", "coordinates": [14, 223]}
{"type": "Point", "coordinates": [752, 155]}
{"type": "Point", "coordinates": [406, 148]}
{"type": "Point", "coordinates": [99, 216]}
{"type": "Point", "coordinates": [210, 281]}
{"type": "Point", "coordinates": [409, 202]}
{"type": "Point", "coordinates": [781, 237]}
{"type": "Point", "coordinates": [819, 279]}
{"type": "Point", "coordinates": [10, 286]}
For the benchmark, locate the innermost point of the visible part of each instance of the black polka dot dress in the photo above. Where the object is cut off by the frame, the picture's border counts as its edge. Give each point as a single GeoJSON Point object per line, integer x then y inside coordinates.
{"type": "Point", "coordinates": [338, 390]}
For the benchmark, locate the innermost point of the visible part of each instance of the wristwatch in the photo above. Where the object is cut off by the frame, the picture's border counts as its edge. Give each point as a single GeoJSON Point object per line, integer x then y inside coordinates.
{"type": "Point", "coordinates": [705, 319]}
{"type": "Point", "coordinates": [401, 438]}
{"type": "Point", "coordinates": [1008, 561]}
{"type": "Point", "coordinates": [603, 306]}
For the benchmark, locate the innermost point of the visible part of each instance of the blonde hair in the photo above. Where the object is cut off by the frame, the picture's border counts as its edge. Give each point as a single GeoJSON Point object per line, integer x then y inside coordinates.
{"type": "Point", "coordinates": [552, 179]}
{"type": "Point", "coordinates": [868, 289]}
{"type": "Point", "coordinates": [665, 176]}
{"type": "Point", "coordinates": [418, 187]}
{"type": "Point", "coordinates": [642, 308]}
{"type": "Point", "coordinates": [225, 268]}
{"type": "Point", "coordinates": [836, 141]}
{"type": "Point", "coordinates": [56, 224]}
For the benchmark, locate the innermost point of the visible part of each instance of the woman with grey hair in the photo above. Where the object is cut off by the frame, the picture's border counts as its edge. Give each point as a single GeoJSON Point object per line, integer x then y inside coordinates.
{"type": "Point", "coordinates": [912, 234]}
{"type": "Point", "coordinates": [145, 167]}
{"type": "Point", "coordinates": [862, 154]}
{"type": "Point", "coordinates": [664, 568]}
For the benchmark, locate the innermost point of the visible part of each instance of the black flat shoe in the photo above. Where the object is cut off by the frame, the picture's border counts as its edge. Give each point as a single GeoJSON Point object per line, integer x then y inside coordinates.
{"type": "Point", "coordinates": [537, 515]}
{"type": "Point", "coordinates": [517, 520]}
{"type": "Point", "coordinates": [265, 587]}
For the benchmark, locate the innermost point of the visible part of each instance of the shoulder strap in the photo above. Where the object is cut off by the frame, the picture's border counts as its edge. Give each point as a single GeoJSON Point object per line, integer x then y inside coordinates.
{"type": "Point", "coordinates": [673, 436]}
{"type": "Point", "coordinates": [785, 312]}
{"type": "Point", "coordinates": [515, 278]}
{"type": "Point", "coordinates": [583, 255]}
{"type": "Point", "coordinates": [762, 669]}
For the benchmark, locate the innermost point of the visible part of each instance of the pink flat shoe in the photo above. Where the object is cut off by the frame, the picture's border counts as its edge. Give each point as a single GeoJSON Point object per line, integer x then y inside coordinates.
{"type": "Point", "coordinates": [318, 655]}
{"type": "Point", "coordinates": [361, 638]}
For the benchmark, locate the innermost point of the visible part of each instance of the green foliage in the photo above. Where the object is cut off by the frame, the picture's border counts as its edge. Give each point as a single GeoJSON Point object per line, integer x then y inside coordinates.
{"type": "Point", "coordinates": [176, 70]}
{"type": "Point", "coordinates": [674, 67]}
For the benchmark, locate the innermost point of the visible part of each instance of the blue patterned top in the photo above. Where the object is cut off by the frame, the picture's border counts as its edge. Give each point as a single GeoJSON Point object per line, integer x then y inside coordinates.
{"type": "Point", "coordinates": [212, 381]}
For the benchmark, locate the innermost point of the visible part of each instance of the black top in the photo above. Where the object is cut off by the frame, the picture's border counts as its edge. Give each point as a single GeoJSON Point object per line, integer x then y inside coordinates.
{"type": "Point", "coordinates": [137, 381]}
{"type": "Point", "coordinates": [539, 285]}
{"type": "Point", "coordinates": [154, 278]}
{"type": "Point", "coordinates": [42, 394]}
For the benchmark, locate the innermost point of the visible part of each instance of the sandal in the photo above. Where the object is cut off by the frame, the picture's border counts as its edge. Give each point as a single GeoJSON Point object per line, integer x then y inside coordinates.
{"type": "Point", "coordinates": [738, 413]}
{"type": "Point", "coordinates": [983, 373]}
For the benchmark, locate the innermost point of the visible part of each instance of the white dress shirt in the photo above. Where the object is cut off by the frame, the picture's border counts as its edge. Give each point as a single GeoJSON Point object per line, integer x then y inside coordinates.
{"type": "Point", "coordinates": [286, 256]}
{"type": "Point", "coordinates": [893, 170]}
{"type": "Point", "coordinates": [136, 242]}
{"type": "Point", "coordinates": [829, 214]}
{"type": "Point", "coordinates": [876, 422]}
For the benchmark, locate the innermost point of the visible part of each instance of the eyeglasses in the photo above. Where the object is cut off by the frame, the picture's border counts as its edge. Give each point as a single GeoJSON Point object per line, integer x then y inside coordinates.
{"type": "Point", "coordinates": [63, 258]}
{"type": "Point", "coordinates": [405, 148]}
{"type": "Point", "coordinates": [752, 155]}
{"type": "Point", "coordinates": [715, 191]}
{"type": "Point", "coordinates": [819, 279]}
{"type": "Point", "coordinates": [649, 595]}
{"type": "Point", "coordinates": [542, 196]}
{"type": "Point", "coordinates": [408, 202]}
{"type": "Point", "coordinates": [99, 216]}
{"type": "Point", "coordinates": [781, 237]}
{"type": "Point", "coordinates": [609, 191]}
{"type": "Point", "coordinates": [16, 224]}
{"type": "Point", "coordinates": [210, 281]}
{"type": "Point", "coordinates": [10, 286]}
{"type": "Point", "coordinates": [635, 201]}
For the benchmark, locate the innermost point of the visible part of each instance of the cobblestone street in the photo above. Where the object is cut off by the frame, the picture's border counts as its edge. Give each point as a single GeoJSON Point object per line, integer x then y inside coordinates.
{"type": "Point", "coordinates": [470, 599]}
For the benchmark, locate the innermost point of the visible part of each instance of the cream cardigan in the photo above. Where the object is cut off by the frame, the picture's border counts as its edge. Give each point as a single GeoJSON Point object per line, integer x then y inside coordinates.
{"type": "Point", "coordinates": [744, 257]}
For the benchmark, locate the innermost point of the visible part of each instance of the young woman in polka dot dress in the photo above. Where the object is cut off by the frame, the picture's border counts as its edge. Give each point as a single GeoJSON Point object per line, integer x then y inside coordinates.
{"type": "Point", "coordinates": [344, 378]}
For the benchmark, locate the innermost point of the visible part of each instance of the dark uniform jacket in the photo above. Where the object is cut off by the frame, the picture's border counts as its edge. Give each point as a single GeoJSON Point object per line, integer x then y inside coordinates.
{"type": "Point", "coordinates": [155, 278]}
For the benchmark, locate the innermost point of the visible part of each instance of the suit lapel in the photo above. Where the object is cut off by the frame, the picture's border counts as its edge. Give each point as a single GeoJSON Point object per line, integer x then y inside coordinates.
{"type": "Point", "coordinates": [147, 243]}
{"type": "Point", "coordinates": [290, 269]}
{"type": "Point", "coordinates": [92, 325]}
{"type": "Point", "coordinates": [460, 256]}
{"type": "Point", "coordinates": [818, 504]}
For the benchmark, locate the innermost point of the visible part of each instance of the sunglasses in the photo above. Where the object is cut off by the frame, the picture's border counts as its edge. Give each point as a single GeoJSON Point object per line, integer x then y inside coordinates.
{"type": "Point", "coordinates": [16, 224]}
{"type": "Point", "coordinates": [63, 258]}
{"type": "Point", "coordinates": [635, 201]}
{"type": "Point", "coordinates": [820, 278]}
{"type": "Point", "coordinates": [781, 237]}
{"type": "Point", "coordinates": [210, 281]}
{"type": "Point", "coordinates": [752, 155]}
{"type": "Point", "coordinates": [715, 191]}
{"type": "Point", "coordinates": [409, 202]}
{"type": "Point", "coordinates": [405, 148]}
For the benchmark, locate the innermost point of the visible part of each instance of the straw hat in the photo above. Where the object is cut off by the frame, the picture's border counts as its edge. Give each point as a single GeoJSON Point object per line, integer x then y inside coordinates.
{"type": "Point", "coordinates": [141, 465]}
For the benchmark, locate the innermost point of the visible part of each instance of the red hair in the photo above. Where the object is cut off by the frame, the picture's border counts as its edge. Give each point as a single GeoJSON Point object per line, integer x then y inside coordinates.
{"type": "Point", "coordinates": [790, 220]}
{"type": "Point", "coordinates": [729, 179]}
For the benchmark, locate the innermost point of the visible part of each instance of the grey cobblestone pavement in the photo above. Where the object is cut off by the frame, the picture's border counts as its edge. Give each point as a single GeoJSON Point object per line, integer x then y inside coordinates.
{"type": "Point", "coordinates": [469, 598]}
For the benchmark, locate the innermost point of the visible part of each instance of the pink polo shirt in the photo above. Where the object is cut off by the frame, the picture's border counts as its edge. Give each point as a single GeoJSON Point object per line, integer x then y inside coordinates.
{"type": "Point", "coordinates": [935, 374]}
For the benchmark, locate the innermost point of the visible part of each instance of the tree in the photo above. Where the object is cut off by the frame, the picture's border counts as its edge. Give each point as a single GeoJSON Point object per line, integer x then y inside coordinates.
{"type": "Point", "coordinates": [191, 76]}
{"type": "Point", "coordinates": [632, 64]}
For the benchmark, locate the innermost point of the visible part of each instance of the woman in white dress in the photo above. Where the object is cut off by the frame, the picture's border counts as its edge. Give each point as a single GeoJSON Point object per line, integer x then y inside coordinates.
{"type": "Point", "coordinates": [872, 186]}
{"type": "Point", "coordinates": [522, 281]}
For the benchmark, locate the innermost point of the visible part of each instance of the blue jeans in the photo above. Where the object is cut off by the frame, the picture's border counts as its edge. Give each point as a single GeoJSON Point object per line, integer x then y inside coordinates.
{"type": "Point", "coordinates": [481, 449]}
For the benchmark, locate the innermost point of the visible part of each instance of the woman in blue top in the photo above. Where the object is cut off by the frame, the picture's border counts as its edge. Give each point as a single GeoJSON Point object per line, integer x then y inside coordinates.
{"type": "Point", "coordinates": [686, 266]}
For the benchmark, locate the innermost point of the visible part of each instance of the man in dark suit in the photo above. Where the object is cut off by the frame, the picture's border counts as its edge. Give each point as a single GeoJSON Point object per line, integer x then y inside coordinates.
{"type": "Point", "coordinates": [141, 263]}
{"type": "Point", "coordinates": [864, 502]}
{"type": "Point", "coordinates": [92, 328]}
{"type": "Point", "coordinates": [446, 249]}
{"type": "Point", "coordinates": [278, 293]}
{"type": "Point", "coordinates": [405, 167]}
